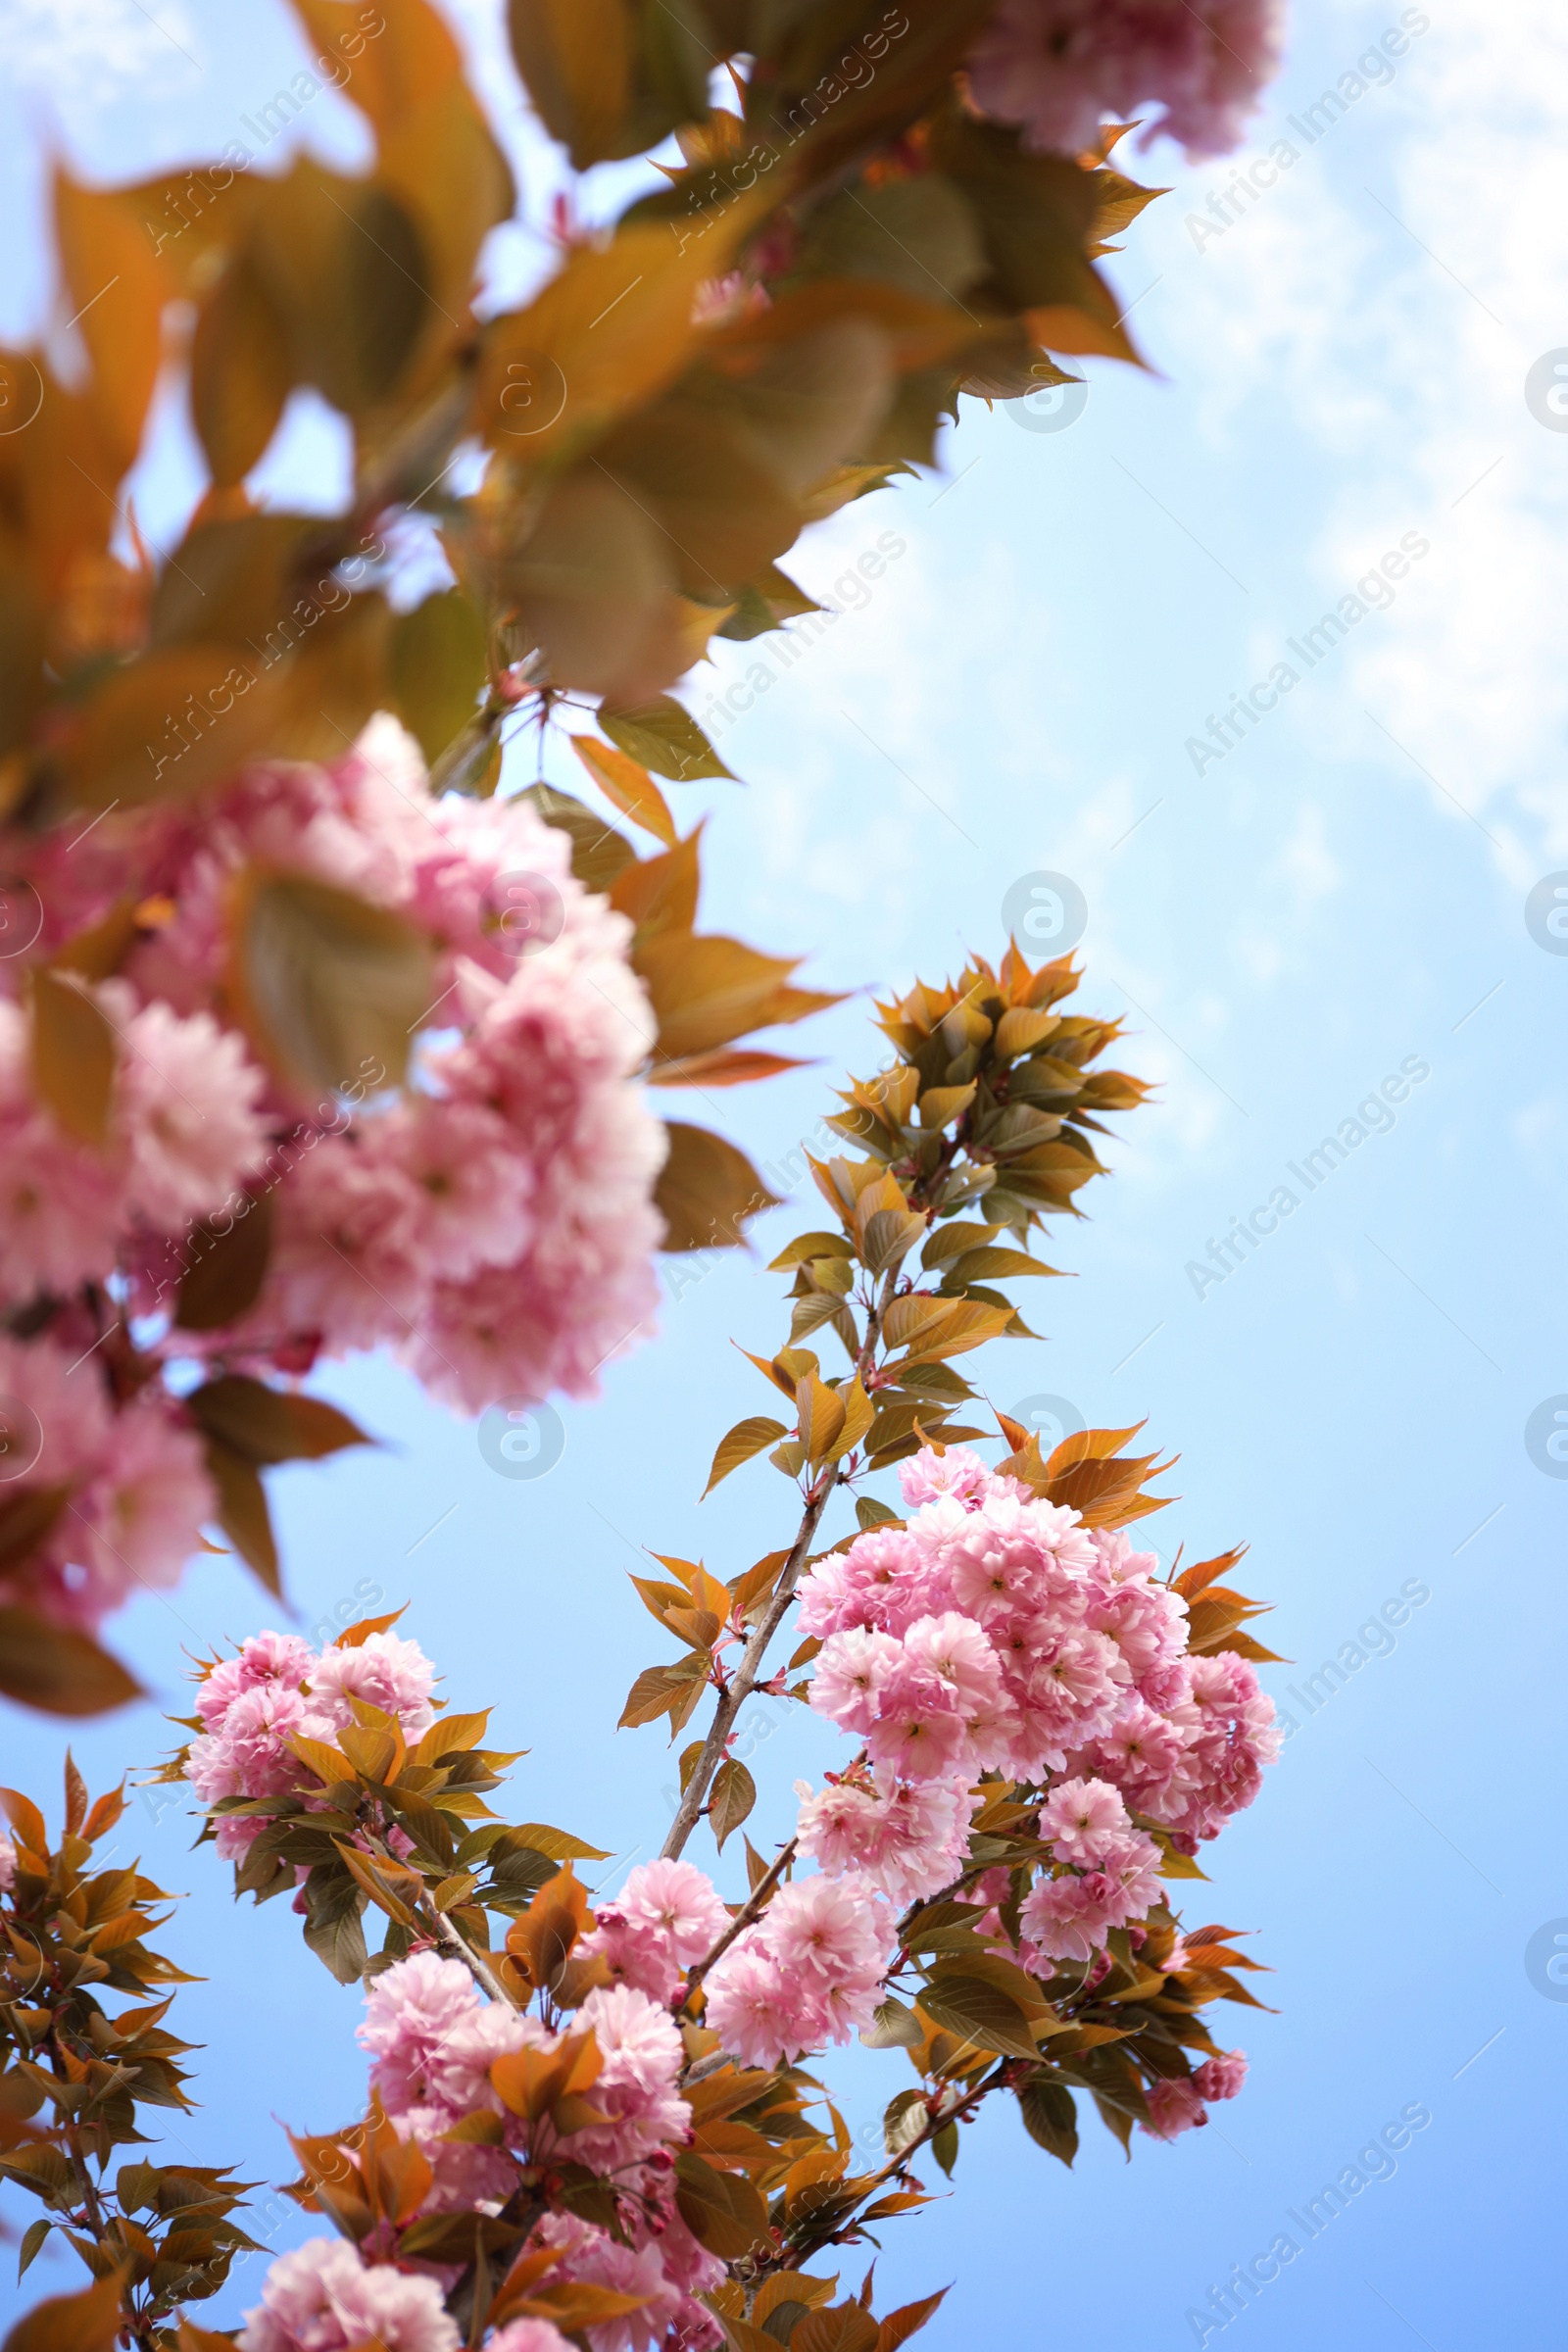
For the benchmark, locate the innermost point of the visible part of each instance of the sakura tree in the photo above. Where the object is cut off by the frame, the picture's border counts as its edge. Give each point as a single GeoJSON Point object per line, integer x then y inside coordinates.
{"type": "Point", "coordinates": [319, 1035]}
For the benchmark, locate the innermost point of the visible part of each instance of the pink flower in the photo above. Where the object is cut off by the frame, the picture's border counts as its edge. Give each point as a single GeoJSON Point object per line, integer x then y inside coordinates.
{"type": "Point", "coordinates": [346, 1259]}
{"type": "Point", "coordinates": [185, 1096]}
{"type": "Point", "coordinates": [1068, 1918]}
{"type": "Point", "coordinates": [1139, 1752]}
{"type": "Point", "coordinates": [141, 1517]}
{"type": "Point", "coordinates": [1220, 2078]}
{"type": "Point", "coordinates": [852, 1670]}
{"type": "Point", "coordinates": [1080, 1817]}
{"type": "Point", "coordinates": [433, 2039]}
{"type": "Point", "coordinates": [1061, 66]}
{"type": "Point", "coordinates": [1175, 2105]}
{"type": "Point", "coordinates": [8, 1864]}
{"type": "Point", "coordinates": [385, 1672]}
{"type": "Point", "coordinates": [472, 1183]}
{"type": "Point", "coordinates": [528, 2336]}
{"type": "Point", "coordinates": [59, 1202]}
{"type": "Point", "coordinates": [956, 1651]}
{"type": "Point", "coordinates": [824, 1927]}
{"type": "Point", "coordinates": [322, 2298]}
{"type": "Point", "coordinates": [909, 1840]}
{"type": "Point", "coordinates": [810, 1971]}
{"type": "Point", "coordinates": [262, 1658]}
{"type": "Point", "coordinates": [1131, 1862]}
{"type": "Point", "coordinates": [758, 2018]}
{"type": "Point", "coordinates": [929, 1475]}
{"type": "Point", "coordinates": [247, 1756]}
{"type": "Point", "coordinates": [643, 2054]}
{"type": "Point", "coordinates": [663, 2263]}
{"type": "Point", "coordinates": [919, 1733]}
{"type": "Point", "coordinates": [665, 1917]}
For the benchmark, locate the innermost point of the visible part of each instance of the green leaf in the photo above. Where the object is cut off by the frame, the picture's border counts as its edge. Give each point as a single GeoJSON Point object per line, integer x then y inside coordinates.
{"type": "Point", "coordinates": [721, 2210]}
{"type": "Point", "coordinates": [242, 1512]}
{"type": "Point", "coordinates": [672, 1690]}
{"type": "Point", "coordinates": [439, 669]}
{"type": "Point", "coordinates": [560, 1845]}
{"type": "Point", "coordinates": [904, 2121]}
{"type": "Point", "coordinates": [945, 2147]}
{"type": "Point", "coordinates": [73, 1057]}
{"type": "Point", "coordinates": [707, 1189]}
{"type": "Point", "coordinates": [993, 1265]}
{"type": "Point", "coordinates": [333, 1923]}
{"type": "Point", "coordinates": [746, 1439]}
{"type": "Point", "coordinates": [266, 1425]}
{"type": "Point", "coordinates": [909, 2317]}
{"type": "Point", "coordinates": [598, 851]}
{"type": "Point", "coordinates": [979, 2013]}
{"type": "Point", "coordinates": [227, 1267]}
{"type": "Point", "coordinates": [58, 1669]}
{"type": "Point", "coordinates": [893, 2027]}
{"type": "Point", "coordinates": [847, 2327]}
{"type": "Point", "coordinates": [871, 1513]}
{"type": "Point", "coordinates": [808, 1245]}
{"type": "Point", "coordinates": [330, 988]}
{"type": "Point", "coordinates": [734, 1794]}
{"type": "Point", "coordinates": [33, 2238]}
{"type": "Point", "coordinates": [665, 738]}
{"type": "Point", "coordinates": [26, 1518]}
{"type": "Point", "coordinates": [1050, 2115]}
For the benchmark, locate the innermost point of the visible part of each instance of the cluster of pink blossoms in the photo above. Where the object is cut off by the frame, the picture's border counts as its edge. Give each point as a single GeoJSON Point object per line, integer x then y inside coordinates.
{"type": "Point", "coordinates": [323, 2298]}
{"type": "Point", "coordinates": [1178, 2104]}
{"type": "Point", "coordinates": [492, 1223]}
{"type": "Point", "coordinates": [277, 1687]}
{"type": "Point", "coordinates": [995, 1633]}
{"type": "Point", "coordinates": [433, 2041]}
{"type": "Point", "coordinates": [667, 1917]}
{"type": "Point", "coordinates": [1061, 68]}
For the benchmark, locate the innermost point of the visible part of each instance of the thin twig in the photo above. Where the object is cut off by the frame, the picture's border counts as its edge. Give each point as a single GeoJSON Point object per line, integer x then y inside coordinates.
{"type": "Point", "coordinates": [743, 1918]}
{"type": "Point", "coordinates": [481, 1970]}
{"type": "Point", "coordinates": [747, 1676]}
{"type": "Point", "coordinates": [745, 1679]}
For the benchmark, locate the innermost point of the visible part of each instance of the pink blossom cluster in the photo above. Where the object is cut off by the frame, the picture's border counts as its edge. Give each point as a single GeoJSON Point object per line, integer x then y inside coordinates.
{"type": "Point", "coordinates": [492, 1222]}
{"type": "Point", "coordinates": [131, 1473]}
{"type": "Point", "coordinates": [1061, 68]}
{"type": "Point", "coordinates": [277, 1689]}
{"type": "Point", "coordinates": [667, 1918]}
{"type": "Point", "coordinates": [433, 2041]}
{"type": "Point", "coordinates": [995, 1633]}
{"type": "Point", "coordinates": [323, 2298]}
{"type": "Point", "coordinates": [1177, 2103]}
{"type": "Point", "coordinates": [809, 1971]}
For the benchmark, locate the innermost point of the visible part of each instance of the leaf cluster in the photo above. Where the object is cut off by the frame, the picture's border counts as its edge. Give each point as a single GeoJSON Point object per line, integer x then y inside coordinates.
{"type": "Point", "coordinates": [74, 2076]}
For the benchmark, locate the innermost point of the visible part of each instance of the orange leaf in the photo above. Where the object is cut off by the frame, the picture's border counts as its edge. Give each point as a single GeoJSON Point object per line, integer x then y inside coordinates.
{"type": "Point", "coordinates": [629, 786]}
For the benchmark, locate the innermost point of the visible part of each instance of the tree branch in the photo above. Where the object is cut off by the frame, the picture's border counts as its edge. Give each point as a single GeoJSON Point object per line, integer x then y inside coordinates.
{"type": "Point", "coordinates": [747, 1675]}
{"type": "Point", "coordinates": [749, 1671]}
{"type": "Point", "coordinates": [743, 1918]}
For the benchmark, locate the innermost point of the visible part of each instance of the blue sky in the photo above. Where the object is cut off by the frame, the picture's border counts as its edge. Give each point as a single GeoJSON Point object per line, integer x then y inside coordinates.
{"type": "Point", "coordinates": [1342, 895]}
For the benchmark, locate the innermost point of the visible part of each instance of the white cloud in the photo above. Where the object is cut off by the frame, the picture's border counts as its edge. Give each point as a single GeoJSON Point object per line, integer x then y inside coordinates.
{"type": "Point", "coordinates": [87, 52]}
{"type": "Point", "coordinates": [1399, 340]}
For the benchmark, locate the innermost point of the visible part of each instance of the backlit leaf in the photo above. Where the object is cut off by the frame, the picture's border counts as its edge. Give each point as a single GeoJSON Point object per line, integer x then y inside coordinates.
{"type": "Point", "coordinates": [707, 1189]}
{"type": "Point", "coordinates": [746, 1439]}
{"type": "Point", "coordinates": [629, 785]}
{"type": "Point", "coordinates": [58, 1669]}
{"type": "Point", "coordinates": [439, 669]}
{"type": "Point", "coordinates": [228, 1265]}
{"type": "Point", "coordinates": [331, 988]}
{"type": "Point", "coordinates": [664, 737]}
{"type": "Point", "coordinates": [733, 1795]}
{"type": "Point", "coordinates": [73, 1057]}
